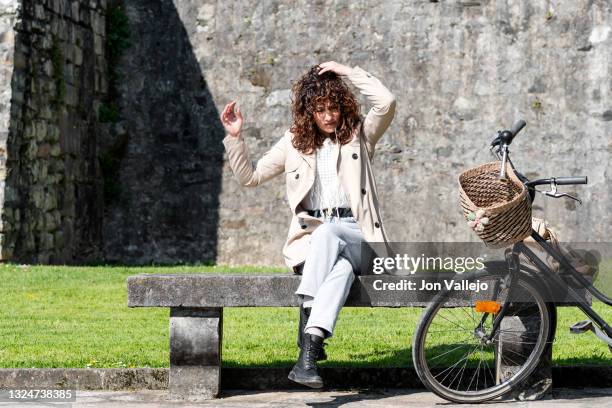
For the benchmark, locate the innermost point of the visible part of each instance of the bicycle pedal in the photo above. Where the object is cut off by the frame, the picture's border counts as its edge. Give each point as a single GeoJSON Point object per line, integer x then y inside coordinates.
{"type": "Point", "coordinates": [581, 327]}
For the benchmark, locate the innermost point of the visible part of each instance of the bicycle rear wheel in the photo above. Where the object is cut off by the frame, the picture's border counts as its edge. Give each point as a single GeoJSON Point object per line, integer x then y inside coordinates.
{"type": "Point", "coordinates": [453, 358]}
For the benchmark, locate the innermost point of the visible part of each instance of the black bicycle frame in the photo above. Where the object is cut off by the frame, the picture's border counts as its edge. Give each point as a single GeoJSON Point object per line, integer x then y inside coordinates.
{"type": "Point", "coordinates": [513, 264]}
{"type": "Point", "coordinates": [554, 283]}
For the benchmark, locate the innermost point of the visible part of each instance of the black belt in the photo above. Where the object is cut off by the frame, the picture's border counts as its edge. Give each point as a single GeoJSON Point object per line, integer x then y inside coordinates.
{"type": "Point", "coordinates": [335, 212]}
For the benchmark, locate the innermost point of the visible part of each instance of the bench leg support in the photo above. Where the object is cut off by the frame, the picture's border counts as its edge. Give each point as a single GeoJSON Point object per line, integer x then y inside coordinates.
{"type": "Point", "coordinates": [195, 353]}
{"type": "Point", "coordinates": [539, 384]}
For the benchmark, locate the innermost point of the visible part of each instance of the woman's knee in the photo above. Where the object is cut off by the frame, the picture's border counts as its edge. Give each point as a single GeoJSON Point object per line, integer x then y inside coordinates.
{"type": "Point", "coordinates": [326, 231]}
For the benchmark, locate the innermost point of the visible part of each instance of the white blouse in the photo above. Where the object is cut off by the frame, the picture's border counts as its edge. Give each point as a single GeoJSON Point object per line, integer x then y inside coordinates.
{"type": "Point", "coordinates": [327, 191]}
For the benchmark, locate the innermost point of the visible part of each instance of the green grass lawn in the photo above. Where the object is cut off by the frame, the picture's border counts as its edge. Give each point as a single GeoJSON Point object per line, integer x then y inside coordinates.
{"type": "Point", "coordinates": [78, 317]}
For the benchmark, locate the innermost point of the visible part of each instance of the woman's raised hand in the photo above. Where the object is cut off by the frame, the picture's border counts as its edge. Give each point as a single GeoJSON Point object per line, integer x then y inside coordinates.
{"type": "Point", "coordinates": [333, 66]}
{"type": "Point", "coordinates": [232, 121]}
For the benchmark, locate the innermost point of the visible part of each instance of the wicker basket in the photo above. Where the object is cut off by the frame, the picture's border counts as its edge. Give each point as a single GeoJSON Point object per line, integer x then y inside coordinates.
{"type": "Point", "coordinates": [499, 211]}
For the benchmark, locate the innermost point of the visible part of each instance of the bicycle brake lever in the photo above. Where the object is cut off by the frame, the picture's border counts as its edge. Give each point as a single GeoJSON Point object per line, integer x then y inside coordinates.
{"type": "Point", "coordinates": [558, 195]}
{"type": "Point", "coordinates": [553, 192]}
{"type": "Point", "coordinates": [494, 153]}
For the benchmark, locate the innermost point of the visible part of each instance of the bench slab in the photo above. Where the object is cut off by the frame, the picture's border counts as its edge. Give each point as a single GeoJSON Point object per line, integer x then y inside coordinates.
{"type": "Point", "coordinates": [246, 290]}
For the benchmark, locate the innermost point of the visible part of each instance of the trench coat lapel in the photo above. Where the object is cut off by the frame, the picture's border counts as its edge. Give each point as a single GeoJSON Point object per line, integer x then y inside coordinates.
{"type": "Point", "coordinates": [311, 161]}
{"type": "Point", "coordinates": [310, 158]}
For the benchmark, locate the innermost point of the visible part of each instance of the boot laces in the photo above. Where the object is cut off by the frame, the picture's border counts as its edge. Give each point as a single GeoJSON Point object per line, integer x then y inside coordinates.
{"type": "Point", "coordinates": [312, 352]}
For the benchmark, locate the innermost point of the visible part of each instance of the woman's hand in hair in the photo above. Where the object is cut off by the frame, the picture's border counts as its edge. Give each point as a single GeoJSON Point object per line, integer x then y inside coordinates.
{"type": "Point", "coordinates": [232, 121]}
{"type": "Point", "coordinates": [333, 66]}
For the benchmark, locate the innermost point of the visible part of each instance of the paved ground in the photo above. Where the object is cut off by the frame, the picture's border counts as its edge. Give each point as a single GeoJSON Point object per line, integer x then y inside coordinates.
{"type": "Point", "coordinates": [566, 398]}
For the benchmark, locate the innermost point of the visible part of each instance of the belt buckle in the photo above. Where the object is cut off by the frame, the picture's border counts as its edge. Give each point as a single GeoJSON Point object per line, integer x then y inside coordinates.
{"type": "Point", "coordinates": [326, 215]}
{"type": "Point", "coordinates": [329, 214]}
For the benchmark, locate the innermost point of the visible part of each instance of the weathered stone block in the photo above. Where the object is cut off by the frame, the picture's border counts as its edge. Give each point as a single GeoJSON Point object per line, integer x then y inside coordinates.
{"type": "Point", "coordinates": [78, 56]}
{"type": "Point", "coordinates": [31, 150]}
{"type": "Point", "coordinates": [59, 239]}
{"type": "Point", "coordinates": [513, 349]}
{"type": "Point", "coordinates": [51, 221]}
{"type": "Point", "coordinates": [195, 353]}
{"type": "Point", "coordinates": [85, 16]}
{"type": "Point", "coordinates": [43, 258]}
{"type": "Point", "coordinates": [75, 10]}
{"type": "Point", "coordinates": [56, 150]}
{"type": "Point", "coordinates": [41, 130]}
{"type": "Point", "coordinates": [43, 150]}
{"type": "Point", "coordinates": [29, 131]}
{"type": "Point", "coordinates": [98, 44]}
{"type": "Point", "coordinates": [50, 201]}
{"type": "Point", "coordinates": [46, 241]}
{"type": "Point", "coordinates": [57, 6]}
{"type": "Point", "coordinates": [45, 112]}
{"type": "Point", "coordinates": [28, 243]}
{"type": "Point", "coordinates": [11, 195]}
{"type": "Point", "coordinates": [71, 97]}
{"type": "Point", "coordinates": [39, 12]}
{"type": "Point", "coordinates": [48, 68]}
{"type": "Point", "coordinates": [53, 133]}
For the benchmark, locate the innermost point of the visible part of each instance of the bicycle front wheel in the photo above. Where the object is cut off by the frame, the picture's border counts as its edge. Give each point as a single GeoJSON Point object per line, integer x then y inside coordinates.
{"type": "Point", "coordinates": [457, 357]}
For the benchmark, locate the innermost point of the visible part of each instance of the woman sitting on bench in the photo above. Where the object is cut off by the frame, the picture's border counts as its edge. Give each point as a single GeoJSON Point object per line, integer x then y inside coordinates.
{"type": "Point", "coordinates": [326, 157]}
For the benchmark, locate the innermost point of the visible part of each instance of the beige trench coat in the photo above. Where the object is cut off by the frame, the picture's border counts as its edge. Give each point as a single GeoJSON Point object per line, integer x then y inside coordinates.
{"type": "Point", "coordinates": [354, 170]}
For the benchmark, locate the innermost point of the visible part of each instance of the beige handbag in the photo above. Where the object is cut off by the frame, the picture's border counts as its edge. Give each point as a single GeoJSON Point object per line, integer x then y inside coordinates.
{"type": "Point", "coordinates": [542, 227]}
{"type": "Point", "coordinates": [585, 262]}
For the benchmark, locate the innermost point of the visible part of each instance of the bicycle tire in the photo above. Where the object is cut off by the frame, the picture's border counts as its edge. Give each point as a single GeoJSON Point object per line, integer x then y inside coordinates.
{"type": "Point", "coordinates": [428, 376]}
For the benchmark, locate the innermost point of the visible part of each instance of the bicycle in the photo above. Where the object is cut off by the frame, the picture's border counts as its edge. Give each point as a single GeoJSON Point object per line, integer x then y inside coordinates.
{"type": "Point", "coordinates": [456, 349]}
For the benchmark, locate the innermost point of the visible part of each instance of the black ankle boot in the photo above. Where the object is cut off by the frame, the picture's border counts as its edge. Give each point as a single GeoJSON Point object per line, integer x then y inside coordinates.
{"type": "Point", "coordinates": [305, 370]}
{"type": "Point", "coordinates": [304, 315]}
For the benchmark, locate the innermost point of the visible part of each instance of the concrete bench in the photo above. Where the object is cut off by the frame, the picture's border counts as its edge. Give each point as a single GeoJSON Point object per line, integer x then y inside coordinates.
{"type": "Point", "coordinates": [196, 303]}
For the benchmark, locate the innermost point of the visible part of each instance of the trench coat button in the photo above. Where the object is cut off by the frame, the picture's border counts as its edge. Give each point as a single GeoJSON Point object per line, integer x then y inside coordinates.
{"type": "Point", "coordinates": [297, 176]}
{"type": "Point", "coordinates": [363, 191]}
{"type": "Point", "coordinates": [355, 156]}
{"type": "Point", "coordinates": [304, 226]}
{"type": "Point", "coordinates": [377, 224]}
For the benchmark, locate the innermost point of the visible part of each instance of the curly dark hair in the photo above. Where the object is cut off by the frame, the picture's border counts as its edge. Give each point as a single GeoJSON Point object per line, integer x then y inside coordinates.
{"type": "Point", "coordinates": [312, 89]}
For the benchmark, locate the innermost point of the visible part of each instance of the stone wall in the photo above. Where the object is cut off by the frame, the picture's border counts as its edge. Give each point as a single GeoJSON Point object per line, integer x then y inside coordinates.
{"type": "Point", "coordinates": [169, 173]}
{"type": "Point", "coordinates": [54, 81]}
{"type": "Point", "coordinates": [460, 71]}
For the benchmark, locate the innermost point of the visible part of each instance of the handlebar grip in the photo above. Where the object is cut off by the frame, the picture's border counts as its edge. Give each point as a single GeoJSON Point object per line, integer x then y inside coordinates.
{"type": "Point", "coordinates": [506, 137]}
{"type": "Point", "coordinates": [517, 127]}
{"type": "Point", "coordinates": [564, 181]}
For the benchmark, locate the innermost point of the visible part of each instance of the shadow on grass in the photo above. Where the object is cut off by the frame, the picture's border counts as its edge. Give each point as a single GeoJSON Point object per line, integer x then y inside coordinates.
{"type": "Point", "coordinates": [403, 358]}
{"type": "Point", "coordinates": [392, 358]}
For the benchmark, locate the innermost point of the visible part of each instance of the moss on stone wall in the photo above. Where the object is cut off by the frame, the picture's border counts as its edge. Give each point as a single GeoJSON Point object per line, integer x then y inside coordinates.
{"type": "Point", "coordinates": [57, 60]}
{"type": "Point", "coordinates": [117, 42]}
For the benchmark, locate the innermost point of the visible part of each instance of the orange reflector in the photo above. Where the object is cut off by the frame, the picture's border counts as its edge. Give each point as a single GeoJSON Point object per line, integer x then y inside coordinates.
{"type": "Point", "coordinates": [487, 306]}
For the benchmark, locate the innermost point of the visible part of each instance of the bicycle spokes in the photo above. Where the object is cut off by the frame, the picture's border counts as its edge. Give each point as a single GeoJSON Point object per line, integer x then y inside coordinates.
{"type": "Point", "coordinates": [472, 351]}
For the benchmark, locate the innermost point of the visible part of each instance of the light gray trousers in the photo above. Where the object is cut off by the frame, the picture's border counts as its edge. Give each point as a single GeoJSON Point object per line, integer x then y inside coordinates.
{"type": "Point", "coordinates": [328, 273]}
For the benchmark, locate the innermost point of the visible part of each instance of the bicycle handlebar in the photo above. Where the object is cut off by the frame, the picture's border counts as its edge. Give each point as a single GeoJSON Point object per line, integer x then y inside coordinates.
{"type": "Point", "coordinates": [503, 140]}
{"type": "Point", "coordinates": [506, 137]}
{"type": "Point", "coordinates": [517, 127]}
{"type": "Point", "coordinates": [560, 181]}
